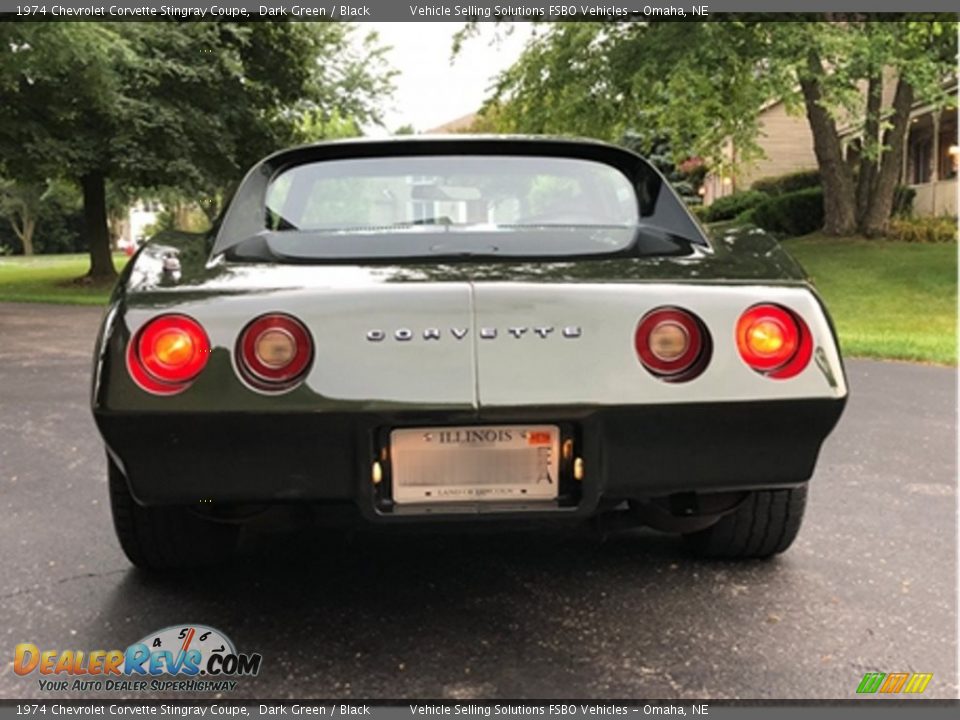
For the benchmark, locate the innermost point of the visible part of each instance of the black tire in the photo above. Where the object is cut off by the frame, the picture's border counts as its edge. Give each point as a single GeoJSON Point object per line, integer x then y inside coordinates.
{"type": "Point", "coordinates": [765, 524]}
{"type": "Point", "coordinates": [166, 538]}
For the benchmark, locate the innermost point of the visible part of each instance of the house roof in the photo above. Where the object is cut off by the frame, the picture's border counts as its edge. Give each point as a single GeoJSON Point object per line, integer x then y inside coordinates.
{"type": "Point", "coordinates": [919, 107]}
{"type": "Point", "coordinates": [461, 124]}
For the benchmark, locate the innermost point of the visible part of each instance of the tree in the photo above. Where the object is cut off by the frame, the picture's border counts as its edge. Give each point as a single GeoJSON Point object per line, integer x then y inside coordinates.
{"type": "Point", "coordinates": [170, 105]}
{"type": "Point", "coordinates": [841, 70]}
{"type": "Point", "coordinates": [686, 177]}
{"type": "Point", "coordinates": [700, 85]}
{"type": "Point", "coordinates": [20, 203]}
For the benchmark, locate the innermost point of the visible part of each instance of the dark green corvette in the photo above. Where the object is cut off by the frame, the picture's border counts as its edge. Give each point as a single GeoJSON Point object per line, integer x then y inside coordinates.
{"type": "Point", "coordinates": [484, 329]}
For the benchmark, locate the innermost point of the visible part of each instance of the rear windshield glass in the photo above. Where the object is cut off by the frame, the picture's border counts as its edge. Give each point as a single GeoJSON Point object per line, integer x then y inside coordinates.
{"type": "Point", "coordinates": [450, 192]}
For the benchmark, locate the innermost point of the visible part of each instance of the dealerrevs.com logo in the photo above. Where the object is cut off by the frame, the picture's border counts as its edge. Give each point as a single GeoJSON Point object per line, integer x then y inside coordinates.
{"type": "Point", "coordinates": [178, 658]}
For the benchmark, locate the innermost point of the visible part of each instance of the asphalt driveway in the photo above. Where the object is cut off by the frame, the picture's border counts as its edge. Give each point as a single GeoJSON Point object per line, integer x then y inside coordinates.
{"type": "Point", "coordinates": [870, 584]}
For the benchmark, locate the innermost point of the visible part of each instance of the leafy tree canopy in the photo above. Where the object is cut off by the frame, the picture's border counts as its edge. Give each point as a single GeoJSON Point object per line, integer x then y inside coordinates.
{"type": "Point", "coordinates": [178, 105]}
{"type": "Point", "coordinates": [699, 86]}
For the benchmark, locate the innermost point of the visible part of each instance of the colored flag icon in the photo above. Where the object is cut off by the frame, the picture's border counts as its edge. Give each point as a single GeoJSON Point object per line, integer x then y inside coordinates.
{"type": "Point", "coordinates": [893, 683]}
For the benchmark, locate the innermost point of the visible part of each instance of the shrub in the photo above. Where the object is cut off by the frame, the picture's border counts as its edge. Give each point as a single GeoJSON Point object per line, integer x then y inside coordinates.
{"type": "Point", "coordinates": [728, 207]}
{"type": "Point", "coordinates": [795, 213]}
{"type": "Point", "coordinates": [699, 211]}
{"type": "Point", "coordinates": [59, 230]}
{"type": "Point", "coordinates": [791, 182]}
{"type": "Point", "coordinates": [685, 189]}
{"type": "Point", "coordinates": [940, 229]}
{"type": "Point", "coordinates": [903, 197]}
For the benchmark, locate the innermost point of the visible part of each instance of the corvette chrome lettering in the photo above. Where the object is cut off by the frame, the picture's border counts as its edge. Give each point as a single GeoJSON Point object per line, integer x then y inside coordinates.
{"type": "Point", "coordinates": [571, 332]}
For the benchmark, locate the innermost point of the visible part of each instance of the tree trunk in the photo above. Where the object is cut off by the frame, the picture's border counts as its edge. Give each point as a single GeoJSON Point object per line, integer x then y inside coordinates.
{"type": "Point", "coordinates": [839, 199]}
{"type": "Point", "coordinates": [26, 237]}
{"type": "Point", "coordinates": [95, 225]}
{"type": "Point", "coordinates": [869, 158]}
{"type": "Point", "coordinates": [24, 231]}
{"type": "Point", "coordinates": [876, 215]}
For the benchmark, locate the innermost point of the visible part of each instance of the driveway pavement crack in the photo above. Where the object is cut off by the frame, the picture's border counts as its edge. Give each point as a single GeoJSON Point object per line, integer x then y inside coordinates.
{"type": "Point", "coordinates": [61, 581]}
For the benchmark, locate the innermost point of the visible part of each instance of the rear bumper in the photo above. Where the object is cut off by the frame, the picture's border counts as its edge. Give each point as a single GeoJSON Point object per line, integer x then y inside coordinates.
{"type": "Point", "coordinates": [630, 452]}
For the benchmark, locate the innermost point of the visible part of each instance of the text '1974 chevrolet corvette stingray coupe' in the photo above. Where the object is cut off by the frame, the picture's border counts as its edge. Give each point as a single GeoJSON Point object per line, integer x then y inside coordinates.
{"type": "Point", "coordinates": [492, 329]}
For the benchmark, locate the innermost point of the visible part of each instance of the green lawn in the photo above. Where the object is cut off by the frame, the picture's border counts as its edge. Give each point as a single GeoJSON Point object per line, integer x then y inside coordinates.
{"type": "Point", "coordinates": [888, 299]}
{"type": "Point", "coordinates": [51, 279]}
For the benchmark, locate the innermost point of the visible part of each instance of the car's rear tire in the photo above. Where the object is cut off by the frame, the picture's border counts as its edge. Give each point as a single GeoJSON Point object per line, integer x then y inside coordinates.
{"type": "Point", "coordinates": [166, 538]}
{"type": "Point", "coordinates": [764, 524]}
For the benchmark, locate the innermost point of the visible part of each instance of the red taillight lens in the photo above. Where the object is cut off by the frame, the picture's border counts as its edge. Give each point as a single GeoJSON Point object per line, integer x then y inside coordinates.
{"type": "Point", "coordinates": [774, 341]}
{"type": "Point", "coordinates": [275, 351]}
{"type": "Point", "coordinates": [672, 343]}
{"type": "Point", "coordinates": [167, 354]}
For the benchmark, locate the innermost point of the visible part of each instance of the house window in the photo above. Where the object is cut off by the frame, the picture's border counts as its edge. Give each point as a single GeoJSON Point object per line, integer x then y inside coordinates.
{"type": "Point", "coordinates": [948, 140]}
{"type": "Point", "coordinates": [951, 161]}
{"type": "Point", "coordinates": [421, 210]}
{"type": "Point", "coordinates": [920, 152]}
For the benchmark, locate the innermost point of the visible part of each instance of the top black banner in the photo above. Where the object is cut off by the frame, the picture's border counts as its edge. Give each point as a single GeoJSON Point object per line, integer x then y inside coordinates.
{"type": "Point", "coordinates": [442, 10]}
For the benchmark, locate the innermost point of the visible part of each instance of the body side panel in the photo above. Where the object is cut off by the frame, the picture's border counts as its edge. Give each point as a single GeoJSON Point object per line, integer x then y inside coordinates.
{"type": "Point", "coordinates": [449, 345]}
{"type": "Point", "coordinates": [600, 366]}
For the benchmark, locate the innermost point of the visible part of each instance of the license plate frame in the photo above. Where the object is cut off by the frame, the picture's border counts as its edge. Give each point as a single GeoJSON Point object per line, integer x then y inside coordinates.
{"type": "Point", "coordinates": [476, 464]}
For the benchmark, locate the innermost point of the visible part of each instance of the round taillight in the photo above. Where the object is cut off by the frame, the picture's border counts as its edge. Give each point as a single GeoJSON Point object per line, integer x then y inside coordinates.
{"type": "Point", "coordinates": [275, 351]}
{"type": "Point", "coordinates": [671, 343]}
{"type": "Point", "coordinates": [167, 354]}
{"type": "Point", "coordinates": [774, 341]}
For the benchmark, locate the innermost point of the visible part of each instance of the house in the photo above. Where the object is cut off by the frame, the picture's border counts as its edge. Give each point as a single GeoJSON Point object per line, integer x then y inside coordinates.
{"type": "Point", "coordinates": [787, 145]}
{"type": "Point", "coordinates": [460, 125]}
{"type": "Point", "coordinates": [928, 165]}
{"type": "Point", "coordinates": [930, 159]}
{"type": "Point", "coordinates": [129, 230]}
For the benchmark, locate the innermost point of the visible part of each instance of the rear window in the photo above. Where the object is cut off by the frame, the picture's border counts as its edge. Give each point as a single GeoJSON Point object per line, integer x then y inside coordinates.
{"type": "Point", "coordinates": [449, 192]}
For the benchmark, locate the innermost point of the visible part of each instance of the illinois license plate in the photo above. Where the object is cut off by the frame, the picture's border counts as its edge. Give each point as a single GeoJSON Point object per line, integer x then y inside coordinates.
{"type": "Point", "coordinates": [475, 463]}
